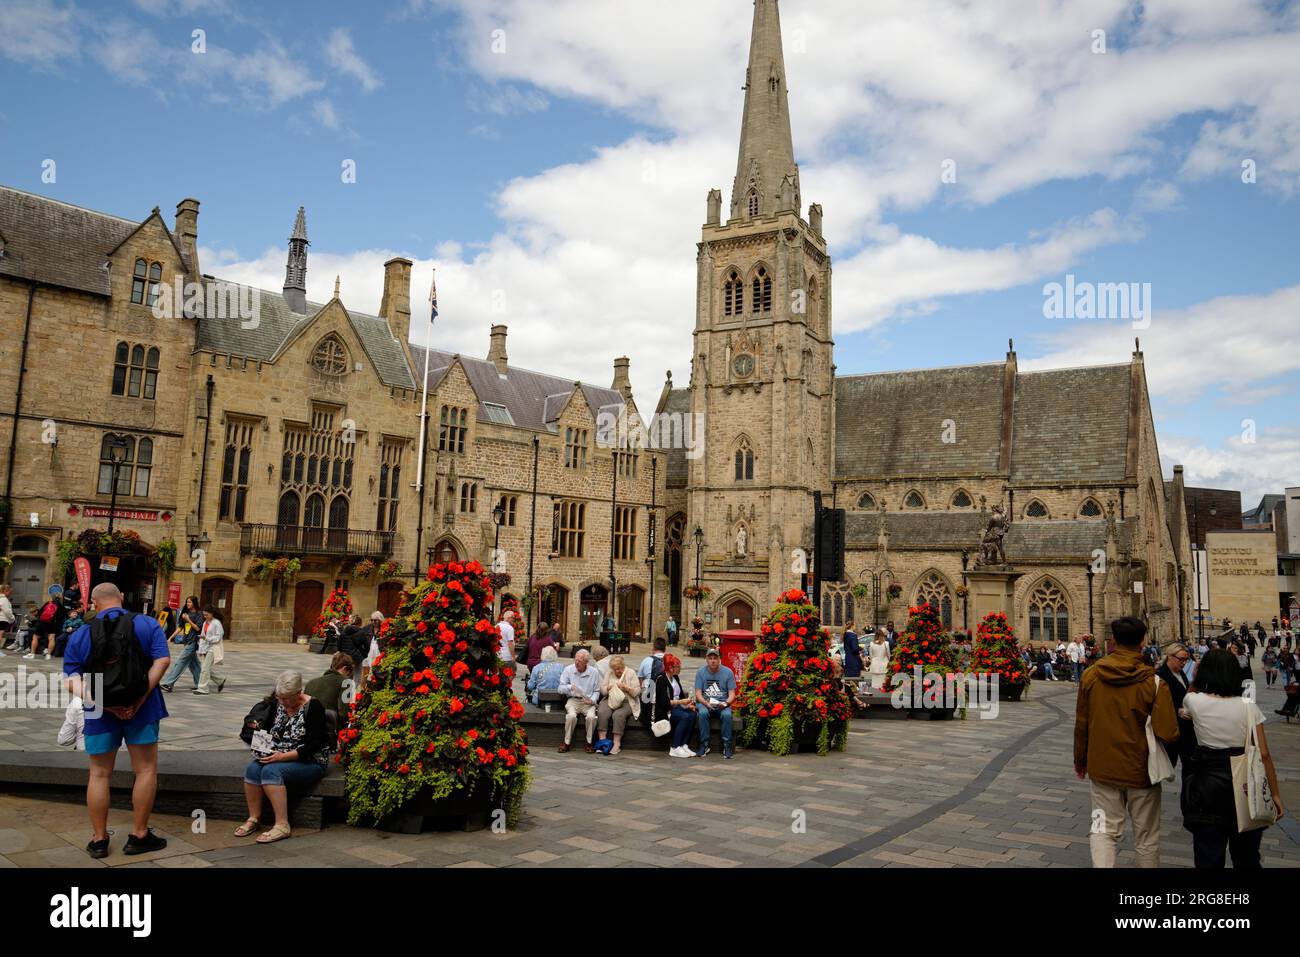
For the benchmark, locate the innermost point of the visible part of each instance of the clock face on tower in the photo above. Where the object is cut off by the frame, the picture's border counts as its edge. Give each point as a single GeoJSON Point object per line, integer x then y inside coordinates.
{"type": "Point", "coordinates": [743, 366]}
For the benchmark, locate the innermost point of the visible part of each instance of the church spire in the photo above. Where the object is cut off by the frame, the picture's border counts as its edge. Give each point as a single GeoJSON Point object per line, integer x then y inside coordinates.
{"type": "Point", "coordinates": [767, 178]}
{"type": "Point", "coordinates": [295, 270]}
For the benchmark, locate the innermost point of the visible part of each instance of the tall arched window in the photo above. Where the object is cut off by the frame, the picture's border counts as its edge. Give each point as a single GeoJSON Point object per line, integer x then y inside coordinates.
{"type": "Point", "coordinates": [752, 201]}
{"type": "Point", "coordinates": [1049, 613]}
{"type": "Point", "coordinates": [866, 500]}
{"type": "Point", "coordinates": [733, 295]}
{"type": "Point", "coordinates": [314, 514]}
{"type": "Point", "coordinates": [338, 522]}
{"type": "Point", "coordinates": [744, 461]}
{"type": "Point", "coordinates": [288, 514]}
{"type": "Point", "coordinates": [933, 590]}
{"type": "Point", "coordinates": [761, 293]}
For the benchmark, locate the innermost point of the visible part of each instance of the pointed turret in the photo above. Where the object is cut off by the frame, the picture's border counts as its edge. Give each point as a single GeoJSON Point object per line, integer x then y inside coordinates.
{"type": "Point", "coordinates": [295, 270]}
{"type": "Point", "coordinates": [767, 178]}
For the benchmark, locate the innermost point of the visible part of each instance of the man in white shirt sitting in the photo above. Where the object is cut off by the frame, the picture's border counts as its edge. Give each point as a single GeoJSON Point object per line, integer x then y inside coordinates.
{"type": "Point", "coordinates": [580, 682]}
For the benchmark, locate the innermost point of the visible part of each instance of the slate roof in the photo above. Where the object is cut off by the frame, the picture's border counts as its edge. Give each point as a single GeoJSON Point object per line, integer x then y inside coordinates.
{"type": "Point", "coordinates": [679, 401]}
{"type": "Point", "coordinates": [1071, 425]}
{"type": "Point", "coordinates": [1026, 541]}
{"type": "Point", "coordinates": [891, 423]}
{"type": "Point", "coordinates": [1068, 425]}
{"type": "Point", "coordinates": [56, 243]}
{"type": "Point", "coordinates": [534, 399]}
{"type": "Point", "coordinates": [277, 323]}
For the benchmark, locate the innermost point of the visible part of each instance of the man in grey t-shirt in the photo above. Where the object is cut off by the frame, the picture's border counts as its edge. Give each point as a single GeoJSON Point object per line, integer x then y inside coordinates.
{"type": "Point", "coordinates": [715, 690]}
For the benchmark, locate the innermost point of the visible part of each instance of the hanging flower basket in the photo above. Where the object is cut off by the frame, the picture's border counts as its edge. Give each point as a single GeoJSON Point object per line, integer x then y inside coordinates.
{"type": "Point", "coordinates": [363, 570]}
{"type": "Point", "coordinates": [894, 592]}
{"type": "Point", "coordinates": [391, 570]}
{"type": "Point", "coordinates": [691, 593]}
{"type": "Point", "coordinates": [962, 591]}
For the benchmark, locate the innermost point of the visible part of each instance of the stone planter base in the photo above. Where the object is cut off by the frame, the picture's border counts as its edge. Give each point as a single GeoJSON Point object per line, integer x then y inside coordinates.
{"type": "Point", "coordinates": [1010, 692]}
{"type": "Point", "coordinates": [461, 811]}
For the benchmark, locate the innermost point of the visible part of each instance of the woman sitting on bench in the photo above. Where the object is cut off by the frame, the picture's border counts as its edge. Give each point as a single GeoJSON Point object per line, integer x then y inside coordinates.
{"type": "Point", "coordinates": [299, 750]}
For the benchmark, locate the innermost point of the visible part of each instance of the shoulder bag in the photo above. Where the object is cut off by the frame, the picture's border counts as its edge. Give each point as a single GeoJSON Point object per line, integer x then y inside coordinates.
{"type": "Point", "coordinates": [1159, 768]}
{"type": "Point", "coordinates": [1250, 788]}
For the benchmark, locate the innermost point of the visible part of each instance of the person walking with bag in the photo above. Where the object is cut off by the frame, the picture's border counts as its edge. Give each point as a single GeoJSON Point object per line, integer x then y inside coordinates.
{"type": "Point", "coordinates": [211, 642]}
{"type": "Point", "coordinates": [189, 625]}
{"type": "Point", "coordinates": [1230, 792]}
{"type": "Point", "coordinates": [1122, 710]}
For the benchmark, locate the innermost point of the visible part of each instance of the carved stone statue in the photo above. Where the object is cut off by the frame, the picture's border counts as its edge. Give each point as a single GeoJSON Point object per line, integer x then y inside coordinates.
{"type": "Point", "coordinates": [742, 541]}
{"type": "Point", "coordinates": [995, 530]}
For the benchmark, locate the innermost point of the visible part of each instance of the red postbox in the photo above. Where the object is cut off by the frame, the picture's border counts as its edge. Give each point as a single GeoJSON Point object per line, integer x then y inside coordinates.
{"type": "Point", "coordinates": [736, 647]}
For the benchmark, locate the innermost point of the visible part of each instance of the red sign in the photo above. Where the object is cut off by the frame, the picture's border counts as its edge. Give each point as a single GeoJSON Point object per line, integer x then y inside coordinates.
{"type": "Point", "coordinates": [130, 514]}
{"type": "Point", "coordinates": [174, 595]}
{"type": "Point", "coordinates": [83, 578]}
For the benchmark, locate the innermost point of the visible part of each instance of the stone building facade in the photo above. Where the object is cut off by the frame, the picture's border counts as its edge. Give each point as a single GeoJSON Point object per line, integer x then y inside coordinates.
{"type": "Point", "coordinates": [291, 430]}
{"type": "Point", "coordinates": [917, 458]}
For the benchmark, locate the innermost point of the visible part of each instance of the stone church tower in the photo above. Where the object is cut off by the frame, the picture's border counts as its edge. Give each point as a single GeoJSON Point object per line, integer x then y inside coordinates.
{"type": "Point", "coordinates": [762, 369]}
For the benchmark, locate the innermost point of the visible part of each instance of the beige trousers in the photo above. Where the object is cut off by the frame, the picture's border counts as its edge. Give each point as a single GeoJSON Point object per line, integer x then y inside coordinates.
{"type": "Point", "coordinates": [572, 708]}
{"type": "Point", "coordinates": [1110, 806]}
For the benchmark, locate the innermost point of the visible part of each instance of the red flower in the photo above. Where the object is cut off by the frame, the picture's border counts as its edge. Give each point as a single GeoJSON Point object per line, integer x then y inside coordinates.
{"type": "Point", "coordinates": [456, 705]}
{"type": "Point", "coordinates": [458, 669]}
{"type": "Point", "coordinates": [516, 709]}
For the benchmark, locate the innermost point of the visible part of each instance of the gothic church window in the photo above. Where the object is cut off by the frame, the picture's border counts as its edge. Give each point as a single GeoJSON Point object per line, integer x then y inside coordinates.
{"type": "Point", "coordinates": [914, 500]}
{"type": "Point", "coordinates": [1090, 509]}
{"type": "Point", "coordinates": [761, 294]}
{"type": "Point", "coordinates": [744, 461]}
{"type": "Point", "coordinates": [1049, 613]}
{"type": "Point", "coordinates": [933, 590]}
{"type": "Point", "coordinates": [865, 501]}
{"type": "Point", "coordinates": [752, 201]}
{"type": "Point", "coordinates": [961, 500]}
{"type": "Point", "coordinates": [235, 466]}
{"type": "Point", "coordinates": [733, 295]}
{"type": "Point", "coordinates": [1035, 509]}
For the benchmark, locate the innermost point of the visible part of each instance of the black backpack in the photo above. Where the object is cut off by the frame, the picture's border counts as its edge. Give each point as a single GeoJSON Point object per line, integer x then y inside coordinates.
{"type": "Point", "coordinates": [116, 656]}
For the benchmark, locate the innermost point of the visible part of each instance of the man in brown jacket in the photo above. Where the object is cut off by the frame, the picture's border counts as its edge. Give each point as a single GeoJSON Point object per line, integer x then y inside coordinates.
{"type": "Point", "coordinates": [1116, 696]}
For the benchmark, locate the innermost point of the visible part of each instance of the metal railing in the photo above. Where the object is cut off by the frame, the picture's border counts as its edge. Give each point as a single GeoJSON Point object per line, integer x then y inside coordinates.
{"type": "Point", "coordinates": [301, 540]}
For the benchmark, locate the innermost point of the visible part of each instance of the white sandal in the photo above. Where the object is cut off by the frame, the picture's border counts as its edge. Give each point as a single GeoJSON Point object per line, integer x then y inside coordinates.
{"type": "Point", "coordinates": [247, 828]}
{"type": "Point", "coordinates": [277, 833]}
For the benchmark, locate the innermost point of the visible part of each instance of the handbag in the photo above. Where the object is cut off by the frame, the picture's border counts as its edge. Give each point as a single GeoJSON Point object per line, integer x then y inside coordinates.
{"type": "Point", "coordinates": [260, 716]}
{"type": "Point", "coordinates": [1250, 788]}
{"type": "Point", "coordinates": [1159, 768]}
{"type": "Point", "coordinates": [617, 698]}
{"type": "Point", "coordinates": [661, 727]}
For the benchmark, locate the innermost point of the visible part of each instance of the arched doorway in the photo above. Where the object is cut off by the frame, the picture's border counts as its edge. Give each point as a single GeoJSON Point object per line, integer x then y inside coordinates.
{"type": "Point", "coordinates": [390, 594]}
{"type": "Point", "coordinates": [594, 600]}
{"type": "Point", "coordinates": [27, 575]}
{"type": "Point", "coordinates": [740, 614]}
{"type": "Point", "coordinates": [553, 608]}
{"type": "Point", "coordinates": [217, 593]}
{"type": "Point", "coordinates": [630, 605]}
{"type": "Point", "coordinates": [445, 552]}
{"type": "Point", "coordinates": [308, 599]}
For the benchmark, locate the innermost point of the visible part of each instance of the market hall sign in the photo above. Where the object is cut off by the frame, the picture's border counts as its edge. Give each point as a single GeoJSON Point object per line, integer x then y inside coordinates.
{"type": "Point", "coordinates": [130, 514]}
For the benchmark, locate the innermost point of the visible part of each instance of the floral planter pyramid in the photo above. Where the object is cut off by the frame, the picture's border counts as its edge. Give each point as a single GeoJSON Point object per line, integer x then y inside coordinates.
{"type": "Point", "coordinates": [922, 643]}
{"type": "Point", "coordinates": [436, 733]}
{"type": "Point", "coordinates": [995, 652]}
{"type": "Point", "coordinates": [337, 607]}
{"type": "Point", "coordinates": [790, 695]}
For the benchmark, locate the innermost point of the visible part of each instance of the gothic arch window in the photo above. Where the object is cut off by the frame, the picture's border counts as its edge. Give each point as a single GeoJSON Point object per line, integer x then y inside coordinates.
{"type": "Point", "coordinates": [330, 357]}
{"type": "Point", "coordinates": [914, 500]}
{"type": "Point", "coordinates": [1049, 613]}
{"type": "Point", "coordinates": [733, 295]}
{"type": "Point", "coordinates": [288, 514]}
{"type": "Point", "coordinates": [314, 514]}
{"type": "Point", "coordinates": [751, 201]}
{"type": "Point", "coordinates": [761, 291]}
{"type": "Point", "coordinates": [837, 606]}
{"type": "Point", "coordinates": [933, 590]}
{"type": "Point", "coordinates": [961, 499]}
{"type": "Point", "coordinates": [866, 501]}
{"type": "Point", "coordinates": [1036, 509]}
{"type": "Point", "coordinates": [1090, 509]}
{"type": "Point", "coordinates": [744, 460]}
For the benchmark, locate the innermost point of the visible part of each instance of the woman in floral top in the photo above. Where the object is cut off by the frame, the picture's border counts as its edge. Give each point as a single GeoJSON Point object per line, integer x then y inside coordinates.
{"type": "Point", "coordinates": [299, 755]}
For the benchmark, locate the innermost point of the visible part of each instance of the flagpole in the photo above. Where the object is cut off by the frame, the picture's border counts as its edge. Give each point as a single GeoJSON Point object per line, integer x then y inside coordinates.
{"type": "Point", "coordinates": [424, 428]}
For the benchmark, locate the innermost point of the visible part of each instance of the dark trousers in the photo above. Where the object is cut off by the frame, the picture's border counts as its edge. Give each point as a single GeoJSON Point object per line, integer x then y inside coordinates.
{"type": "Point", "coordinates": [1210, 845]}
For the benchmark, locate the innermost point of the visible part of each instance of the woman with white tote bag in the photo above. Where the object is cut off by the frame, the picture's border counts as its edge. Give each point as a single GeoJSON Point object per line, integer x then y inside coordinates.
{"type": "Point", "coordinates": [1230, 794]}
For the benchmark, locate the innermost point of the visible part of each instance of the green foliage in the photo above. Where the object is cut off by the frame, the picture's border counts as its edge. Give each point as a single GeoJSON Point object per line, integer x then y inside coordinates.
{"type": "Point", "coordinates": [67, 552]}
{"type": "Point", "coordinates": [164, 557]}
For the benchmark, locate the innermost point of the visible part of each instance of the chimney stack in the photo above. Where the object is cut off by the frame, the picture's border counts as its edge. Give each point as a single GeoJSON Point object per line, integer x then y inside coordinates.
{"type": "Point", "coordinates": [622, 381]}
{"type": "Point", "coordinates": [497, 351]}
{"type": "Point", "coordinates": [395, 306]}
{"type": "Point", "coordinates": [187, 231]}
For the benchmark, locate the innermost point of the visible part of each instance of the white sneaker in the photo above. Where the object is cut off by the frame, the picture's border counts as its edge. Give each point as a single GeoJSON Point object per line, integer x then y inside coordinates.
{"type": "Point", "coordinates": [29, 656]}
{"type": "Point", "coordinates": [47, 656]}
{"type": "Point", "coordinates": [674, 752]}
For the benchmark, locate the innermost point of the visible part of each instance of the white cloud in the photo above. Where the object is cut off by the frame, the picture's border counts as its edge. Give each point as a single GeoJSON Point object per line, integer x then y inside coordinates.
{"type": "Point", "coordinates": [1267, 465]}
{"type": "Point", "coordinates": [1155, 196]}
{"type": "Point", "coordinates": [37, 31]}
{"type": "Point", "coordinates": [325, 114]}
{"type": "Point", "coordinates": [340, 54]}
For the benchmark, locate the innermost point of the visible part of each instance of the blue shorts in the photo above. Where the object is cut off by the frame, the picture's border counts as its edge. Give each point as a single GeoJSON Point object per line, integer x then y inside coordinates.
{"type": "Point", "coordinates": [283, 774]}
{"type": "Point", "coordinates": [109, 741]}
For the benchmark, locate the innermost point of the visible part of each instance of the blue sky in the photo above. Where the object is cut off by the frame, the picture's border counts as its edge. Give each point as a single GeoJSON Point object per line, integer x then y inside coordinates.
{"type": "Point", "coordinates": [552, 160]}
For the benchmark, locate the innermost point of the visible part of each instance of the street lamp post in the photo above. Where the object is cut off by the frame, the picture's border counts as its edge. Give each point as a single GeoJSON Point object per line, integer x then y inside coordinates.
{"type": "Point", "coordinates": [699, 548]}
{"type": "Point", "coordinates": [117, 446]}
{"type": "Point", "coordinates": [498, 519]}
{"type": "Point", "coordinates": [1090, 573]}
{"type": "Point", "coordinates": [965, 602]}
